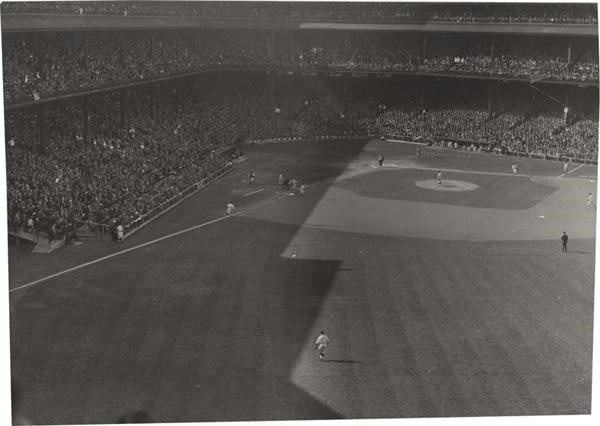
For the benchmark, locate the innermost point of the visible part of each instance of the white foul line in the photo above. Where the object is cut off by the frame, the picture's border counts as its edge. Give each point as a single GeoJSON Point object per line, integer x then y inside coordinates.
{"type": "Point", "coordinates": [253, 192]}
{"type": "Point", "coordinates": [192, 228]}
{"type": "Point", "coordinates": [572, 170]}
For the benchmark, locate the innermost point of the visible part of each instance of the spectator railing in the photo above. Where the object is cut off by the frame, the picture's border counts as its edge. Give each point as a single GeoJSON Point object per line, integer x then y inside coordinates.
{"type": "Point", "coordinates": [305, 138]}
{"type": "Point", "coordinates": [561, 158]}
{"type": "Point", "coordinates": [90, 229]}
{"type": "Point", "coordinates": [442, 142]}
{"type": "Point", "coordinates": [136, 224]}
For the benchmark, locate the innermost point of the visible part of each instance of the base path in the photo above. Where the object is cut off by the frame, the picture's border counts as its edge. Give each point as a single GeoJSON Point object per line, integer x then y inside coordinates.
{"type": "Point", "coordinates": [343, 209]}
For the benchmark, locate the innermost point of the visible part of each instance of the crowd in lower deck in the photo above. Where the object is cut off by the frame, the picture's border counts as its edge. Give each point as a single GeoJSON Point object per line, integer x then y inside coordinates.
{"type": "Point", "coordinates": [133, 154]}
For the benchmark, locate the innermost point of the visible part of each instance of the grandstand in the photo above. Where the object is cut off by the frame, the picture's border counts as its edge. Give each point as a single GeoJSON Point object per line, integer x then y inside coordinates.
{"type": "Point", "coordinates": [147, 115]}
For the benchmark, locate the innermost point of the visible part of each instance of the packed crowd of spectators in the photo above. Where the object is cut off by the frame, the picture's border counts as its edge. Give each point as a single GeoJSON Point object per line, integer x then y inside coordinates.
{"type": "Point", "coordinates": [108, 178]}
{"type": "Point", "coordinates": [124, 170]}
{"type": "Point", "coordinates": [515, 57]}
{"type": "Point", "coordinates": [541, 133]}
{"type": "Point", "coordinates": [144, 146]}
{"type": "Point", "coordinates": [509, 117]}
{"type": "Point", "coordinates": [347, 11]}
{"type": "Point", "coordinates": [44, 65]}
{"type": "Point", "coordinates": [578, 140]}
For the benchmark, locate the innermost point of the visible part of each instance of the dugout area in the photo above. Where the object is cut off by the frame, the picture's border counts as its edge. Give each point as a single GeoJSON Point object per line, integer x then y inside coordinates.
{"type": "Point", "coordinates": [435, 307]}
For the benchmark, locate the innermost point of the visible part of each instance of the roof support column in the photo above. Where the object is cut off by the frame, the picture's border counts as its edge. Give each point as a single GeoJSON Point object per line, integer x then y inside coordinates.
{"type": "Point", "coordinates": [40, 52]}
{"type": "Point", "coordinates": [122, 111]}
{"type": "Point", "coordinates": [121, 55]}
{"type": "Point", "coordinates": [345, 93]}
{"type": "Point", "coordinates": [152, 101]}
{"type": "Point", "coordinates": [271, 47]}
{"type": "Point", "coordinates": [151, 45]}
{"type": "Point", "coordinates": [86, 119]}
{"type": "Point", "coordinates": [85, 53]}
{"type": "Point", "coordinates": [42, 129]}
{"type": "Point", "coordinates": [346, 44]}
{"type": "Point", "coordinates": [491, 101]}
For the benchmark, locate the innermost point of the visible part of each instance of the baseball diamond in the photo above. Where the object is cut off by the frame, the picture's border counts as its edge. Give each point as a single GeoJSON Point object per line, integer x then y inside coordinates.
{"type": "Point", "coordinates": [468, 305]}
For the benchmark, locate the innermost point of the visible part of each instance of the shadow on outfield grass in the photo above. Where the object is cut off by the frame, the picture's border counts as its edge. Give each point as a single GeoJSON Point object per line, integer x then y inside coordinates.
{"type": "Point", "coordinates": [344, 361]}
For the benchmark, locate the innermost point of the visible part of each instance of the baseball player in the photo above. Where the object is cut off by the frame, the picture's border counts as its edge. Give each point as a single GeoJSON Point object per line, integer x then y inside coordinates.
{"type": "Point", "coordinates": [321, 344]}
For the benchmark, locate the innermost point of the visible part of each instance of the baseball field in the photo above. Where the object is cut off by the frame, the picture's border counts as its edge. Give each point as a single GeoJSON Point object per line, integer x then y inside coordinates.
{"type": "Point", "coordinates": [443, 295]}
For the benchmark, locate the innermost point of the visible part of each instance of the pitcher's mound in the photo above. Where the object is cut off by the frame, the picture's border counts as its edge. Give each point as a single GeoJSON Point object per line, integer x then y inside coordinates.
{"type": "Point", "coordinates": [446, 185]}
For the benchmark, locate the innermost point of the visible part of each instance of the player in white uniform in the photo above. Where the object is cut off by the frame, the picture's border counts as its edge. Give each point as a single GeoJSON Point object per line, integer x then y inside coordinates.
{"type": "Point", "coordinates": [120, 233]}
{"type": "Point", "coordinates": [321, 344]}
{"type": "Point", "coordinates": [515, 169]}
{"type": "Point", "coordinates": [439, 177]}
{"type": "Point", "coordinates": [230, 208]}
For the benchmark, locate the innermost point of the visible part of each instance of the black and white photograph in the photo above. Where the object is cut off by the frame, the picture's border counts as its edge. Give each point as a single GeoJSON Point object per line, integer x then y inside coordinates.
{"type": "Point", "coordinates": [260, 211]}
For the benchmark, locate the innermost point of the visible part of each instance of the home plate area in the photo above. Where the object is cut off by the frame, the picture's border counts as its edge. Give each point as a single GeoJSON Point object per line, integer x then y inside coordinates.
{"type": "Point", "coordinates": [446, 185]}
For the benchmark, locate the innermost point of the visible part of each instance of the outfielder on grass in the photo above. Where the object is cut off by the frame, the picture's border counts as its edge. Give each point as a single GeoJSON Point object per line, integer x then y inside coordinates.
{"type": "Point", "coordinates": [321, 344]}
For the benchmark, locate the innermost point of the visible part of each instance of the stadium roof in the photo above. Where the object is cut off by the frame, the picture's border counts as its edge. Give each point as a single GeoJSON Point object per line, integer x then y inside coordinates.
{"type": "Point", "coordinates": [37, 22]}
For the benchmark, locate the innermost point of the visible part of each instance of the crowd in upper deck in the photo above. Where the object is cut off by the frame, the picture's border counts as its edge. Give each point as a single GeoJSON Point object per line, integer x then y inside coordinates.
{"type": "Point", "coordinates": [44, 65]}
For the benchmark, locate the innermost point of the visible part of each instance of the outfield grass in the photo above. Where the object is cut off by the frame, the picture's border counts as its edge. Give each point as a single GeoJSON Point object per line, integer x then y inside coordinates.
{"type": "Point", "coordinates": [218, 323]}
